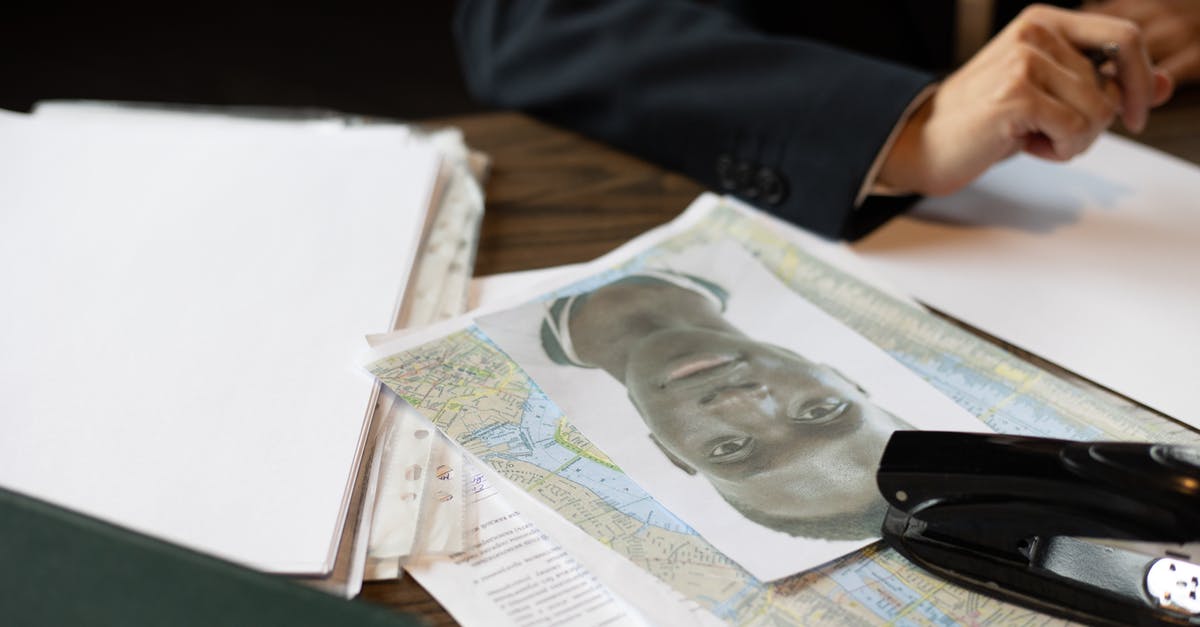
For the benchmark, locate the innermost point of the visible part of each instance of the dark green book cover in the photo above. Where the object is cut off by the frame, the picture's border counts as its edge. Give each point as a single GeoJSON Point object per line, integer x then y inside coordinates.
{"type": "Point", "coordinates": [61, 568]}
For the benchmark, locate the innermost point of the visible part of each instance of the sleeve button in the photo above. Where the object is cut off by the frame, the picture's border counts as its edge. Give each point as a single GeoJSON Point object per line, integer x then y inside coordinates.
{"type": "Point", "coordinates": [725, 173]}
{"type": "Point", "coordinates": [771, 185]}
{"type": "Point", "coordinates": [745, 181]}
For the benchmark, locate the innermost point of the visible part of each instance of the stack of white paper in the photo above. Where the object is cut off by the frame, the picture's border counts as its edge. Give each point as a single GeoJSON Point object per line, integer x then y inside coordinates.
{"type": "Point", "coordinates": [156, 270]}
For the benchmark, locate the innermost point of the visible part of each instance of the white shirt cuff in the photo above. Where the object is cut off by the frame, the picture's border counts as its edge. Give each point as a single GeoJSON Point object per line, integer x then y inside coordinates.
{"type": "Point", "coordinates": [871, 187]}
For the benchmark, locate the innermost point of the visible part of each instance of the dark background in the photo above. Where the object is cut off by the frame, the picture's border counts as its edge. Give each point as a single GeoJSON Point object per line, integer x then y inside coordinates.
{"type": "Point", "coordinates": [396, 60]}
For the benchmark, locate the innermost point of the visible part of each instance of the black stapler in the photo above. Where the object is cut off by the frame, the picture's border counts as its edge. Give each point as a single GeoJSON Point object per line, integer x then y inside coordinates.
{"type": "Point", "coordinates": [1092, 531]}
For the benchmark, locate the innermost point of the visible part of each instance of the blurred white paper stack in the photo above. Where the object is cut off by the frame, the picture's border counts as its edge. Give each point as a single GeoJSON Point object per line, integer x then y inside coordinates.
{"type": "Point", "coordinates": [155, 264]}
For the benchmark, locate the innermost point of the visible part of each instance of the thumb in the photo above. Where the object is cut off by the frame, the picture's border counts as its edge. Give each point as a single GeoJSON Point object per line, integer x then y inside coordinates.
{"type": "Point", "coordinates": [1164, 87]}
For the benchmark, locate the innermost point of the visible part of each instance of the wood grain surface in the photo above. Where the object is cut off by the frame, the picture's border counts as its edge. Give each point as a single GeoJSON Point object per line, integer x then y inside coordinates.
{"type": "Point", "coordinates": [554, 197]}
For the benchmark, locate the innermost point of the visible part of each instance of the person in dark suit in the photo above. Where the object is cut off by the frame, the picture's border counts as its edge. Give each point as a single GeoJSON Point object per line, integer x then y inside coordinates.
{"type": "Point", "coordinates": [829, 115]}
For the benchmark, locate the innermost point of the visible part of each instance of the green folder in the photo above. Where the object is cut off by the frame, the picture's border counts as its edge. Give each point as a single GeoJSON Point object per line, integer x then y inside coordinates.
{"type": "Point", "coordinates": [62, 568]}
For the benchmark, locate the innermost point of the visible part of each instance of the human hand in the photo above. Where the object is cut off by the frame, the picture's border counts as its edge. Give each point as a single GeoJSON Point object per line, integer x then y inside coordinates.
{"type": "Point", "coordinates": [1030, 89]}
{"type": "Point", "coordinates": [1171, 29]}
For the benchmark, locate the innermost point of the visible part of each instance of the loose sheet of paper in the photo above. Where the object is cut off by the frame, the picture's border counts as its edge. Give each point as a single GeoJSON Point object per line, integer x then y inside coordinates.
{"type": "Point", "coordinates": [406, 445]}
{"type": "Point", "coordinates": [1091, 265]}
{"type": "Point", "coordinates": [443, 510]}
{"type": "Point", "coordinates": [156, 274]}
{"type": "Point", "coordinates": [496, 287]}
{"type": "Point", "coordinates": [514, 573]}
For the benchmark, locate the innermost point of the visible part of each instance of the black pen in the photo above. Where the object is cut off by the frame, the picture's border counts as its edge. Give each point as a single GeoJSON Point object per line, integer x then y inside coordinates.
{"type": "Point", "coordinates": [1102, 57]}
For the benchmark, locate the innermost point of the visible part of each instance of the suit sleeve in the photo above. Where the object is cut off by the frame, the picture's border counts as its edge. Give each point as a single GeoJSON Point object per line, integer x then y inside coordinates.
{"type": "Point", "coordinates": [788, 124]}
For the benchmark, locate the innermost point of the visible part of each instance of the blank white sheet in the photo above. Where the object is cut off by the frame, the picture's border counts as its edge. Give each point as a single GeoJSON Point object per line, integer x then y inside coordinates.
{"type": "Point", "coordinates": [183, 306]}
{"type": "Point", "coordinates": [1094, 265]}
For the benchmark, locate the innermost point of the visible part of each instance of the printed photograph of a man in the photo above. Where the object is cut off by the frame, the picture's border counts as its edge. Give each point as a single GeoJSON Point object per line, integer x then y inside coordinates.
{"type": "Point", "coordinates": [791, 444]}
{"type": "Point", "coordinates": [752, 415]}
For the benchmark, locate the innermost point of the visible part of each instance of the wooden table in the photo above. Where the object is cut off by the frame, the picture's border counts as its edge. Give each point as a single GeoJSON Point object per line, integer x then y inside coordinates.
{"type": "Point", "coordinates": [555, 197]}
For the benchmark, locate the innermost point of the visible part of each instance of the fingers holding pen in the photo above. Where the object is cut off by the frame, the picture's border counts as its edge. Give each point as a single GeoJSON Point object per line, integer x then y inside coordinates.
{"type": "Point", "coordinates": [1064, 92]}
{"type": "Point", "coordinates": [1171, 29]}
{"type": "Point", "coordinates": [1141, 85]}
{"type": "Point", "coordinates": [1032, 88]}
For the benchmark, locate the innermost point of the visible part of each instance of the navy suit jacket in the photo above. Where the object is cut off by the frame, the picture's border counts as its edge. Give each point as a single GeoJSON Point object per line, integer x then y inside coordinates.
{"type": "Point", "coordinates": [765, 100]}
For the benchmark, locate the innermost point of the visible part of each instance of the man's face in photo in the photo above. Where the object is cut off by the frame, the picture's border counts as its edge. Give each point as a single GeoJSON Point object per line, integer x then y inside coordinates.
{"type": "Point", "coordinates": [770, 429]}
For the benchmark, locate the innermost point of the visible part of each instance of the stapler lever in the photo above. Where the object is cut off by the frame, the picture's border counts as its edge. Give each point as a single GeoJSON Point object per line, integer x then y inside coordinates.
{"type": "Point", "coordinates": [1101, 532]}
